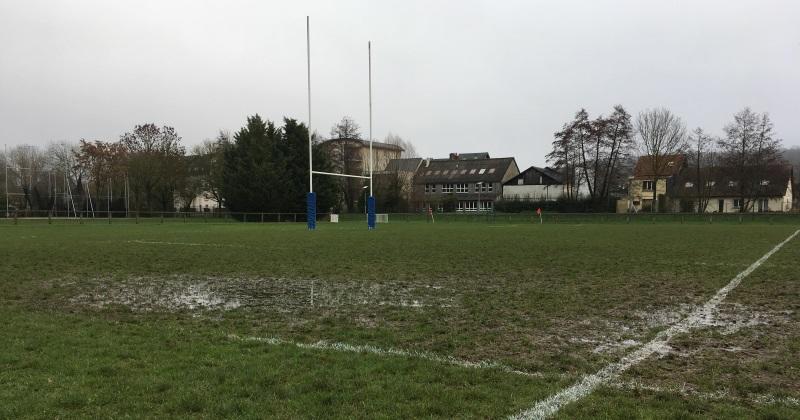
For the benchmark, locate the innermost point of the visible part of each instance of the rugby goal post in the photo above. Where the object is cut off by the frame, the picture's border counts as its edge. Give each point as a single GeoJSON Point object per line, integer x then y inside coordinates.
{"type": "Point", "coordinates": [311, 198]}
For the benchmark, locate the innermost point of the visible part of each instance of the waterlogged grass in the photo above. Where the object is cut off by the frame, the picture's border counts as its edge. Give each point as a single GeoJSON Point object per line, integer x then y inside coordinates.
{"type": "Point", "coordinates": [135, 320]}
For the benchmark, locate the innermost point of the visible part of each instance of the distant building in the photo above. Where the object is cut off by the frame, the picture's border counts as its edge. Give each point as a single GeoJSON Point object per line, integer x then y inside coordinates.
{"type": "Point", "coordinates": [351, 156]}
{"type": "Point", "coordinates": [643, 188]}
{"type": "Point", "coordinates": [535, 184]}
{"type": "Point", "coordinates": [456, 184]}
{"type": "Point", "coordinates": [722, 193]}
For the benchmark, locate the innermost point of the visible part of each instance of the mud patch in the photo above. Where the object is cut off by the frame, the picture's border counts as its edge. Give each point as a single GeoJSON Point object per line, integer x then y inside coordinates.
{"type": "Point", "coordinates": [205, 293]}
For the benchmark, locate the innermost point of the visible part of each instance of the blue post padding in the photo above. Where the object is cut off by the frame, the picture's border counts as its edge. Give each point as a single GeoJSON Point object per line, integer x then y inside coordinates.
{"type": "Point", "coordinates": [371, 212]}
{"type": "Point", "coordinates": [311, 210]}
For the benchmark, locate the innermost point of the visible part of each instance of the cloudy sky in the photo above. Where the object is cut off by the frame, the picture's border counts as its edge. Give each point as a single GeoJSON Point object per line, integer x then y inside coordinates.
{"type": "Point", "coordinates": [450, 76]}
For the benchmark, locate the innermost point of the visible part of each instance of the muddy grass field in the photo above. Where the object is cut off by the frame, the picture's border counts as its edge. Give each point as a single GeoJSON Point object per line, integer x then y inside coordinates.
{"type": "Point", "coordinates": [411, 320]}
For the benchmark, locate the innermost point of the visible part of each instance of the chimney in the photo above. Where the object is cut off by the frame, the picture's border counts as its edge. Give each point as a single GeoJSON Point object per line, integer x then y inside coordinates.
{"type": "Point", "coordinates": [453, 156]}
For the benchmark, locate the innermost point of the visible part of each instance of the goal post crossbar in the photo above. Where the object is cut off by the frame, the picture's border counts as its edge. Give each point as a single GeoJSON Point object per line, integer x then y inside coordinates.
{"type": "Point", "coordinates": [343, 175]}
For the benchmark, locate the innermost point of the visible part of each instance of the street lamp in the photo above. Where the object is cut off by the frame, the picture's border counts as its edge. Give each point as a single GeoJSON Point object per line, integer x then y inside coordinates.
{"type": "Point", "coordinates": [365, 197]}
{"type": "Point", "coordinates": [478, 185]}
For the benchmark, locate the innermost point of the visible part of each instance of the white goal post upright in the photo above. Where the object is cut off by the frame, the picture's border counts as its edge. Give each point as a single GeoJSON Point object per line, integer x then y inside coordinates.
{"type": "Point", "coordinates": [311, 198]}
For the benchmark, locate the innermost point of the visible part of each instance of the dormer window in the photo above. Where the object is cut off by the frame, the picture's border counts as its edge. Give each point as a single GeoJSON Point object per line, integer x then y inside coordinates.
{"type": "Point", "coordinates": [689, 184]}
{"type": "Point", "coordinates": [732, 184]}
{"type": "Point", "coordinates": [764, 182]}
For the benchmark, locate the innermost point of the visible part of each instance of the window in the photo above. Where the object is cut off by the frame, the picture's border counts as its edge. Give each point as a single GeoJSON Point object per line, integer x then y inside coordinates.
{"type": "Point", "coordinates": [462, 188]}
{"type": "Point", "coordinates": [427, 188]}
{"type": "Point", "coordinates": [486, 186]}
{"type": "Point", "coordinates": [540, 180]}
{"type": "Point", "coordinates": [463, 172]}
{"type": "Point", "coordinates": [467, 206]}
{"type": "Point", "coordinates": [737, 203]}
{"type": "Point", "coordinates": [444, 172]}
{"type": "Point", "coordinates": [436, 172]}
{"type": "Point", "coordinates": [428, 173]}
{"type": "Point", "coordinates": [472, 171]}
{"type": "Point", "coordinates": [482, 171]}
{"type": "Point", "coordinates": [491, 170]}
{"type": "Point", "coordinates": [647, 185]}
{"type": "Point", "coordinates": [732, 184]}
{"type": "Point", "coordinates": [447, 188]}
{"type": "Point", "coordinates": [689, 185]}
{"type": "Point", "coordinates": [710, 183]}
{"type": "Point", "coordinates": [764, 182]}
{"type": "Point", "coordinates": [486, 205]}
{"type": "Point", "coordinates": [520, 181]}
{"type": "Point", "coordinates": [489, 186]}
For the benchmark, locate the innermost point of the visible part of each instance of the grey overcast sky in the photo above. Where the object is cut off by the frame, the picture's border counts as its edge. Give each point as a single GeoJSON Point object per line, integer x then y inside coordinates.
{"type": "Point", "coordinates": [450, 76]}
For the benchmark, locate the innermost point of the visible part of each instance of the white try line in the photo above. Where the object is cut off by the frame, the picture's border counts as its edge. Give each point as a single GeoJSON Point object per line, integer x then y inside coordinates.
{"type": "Point", "coordinates": [550, 406]}
{"type": "Point", "coordinates": [367, 349]}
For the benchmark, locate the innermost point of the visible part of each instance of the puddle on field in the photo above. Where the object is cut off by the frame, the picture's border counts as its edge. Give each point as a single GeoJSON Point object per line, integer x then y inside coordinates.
{"type": "Point", "coordinates": [198, 293]}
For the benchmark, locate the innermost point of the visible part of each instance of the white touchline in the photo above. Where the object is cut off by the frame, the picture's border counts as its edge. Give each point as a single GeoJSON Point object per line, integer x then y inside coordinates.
{"type": "Point", "coordinates": [354, 348]}
{"type": "Point", "coordinates": [549, 406]}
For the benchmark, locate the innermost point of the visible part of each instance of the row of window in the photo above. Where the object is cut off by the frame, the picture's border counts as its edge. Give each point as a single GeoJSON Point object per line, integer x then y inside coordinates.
{"type": "Point", "coordinates": [461, 171]}
{"type": "Point", "coordinates": [732, 184]}
{"type": "Point", "coordinates": [474, 206]}
{"type": "Point", "coordinates": [460, 188]}
{"type": "Point", "coordinates": [648, 185]}
{"type": "Point", "coordinates": [470, 205]}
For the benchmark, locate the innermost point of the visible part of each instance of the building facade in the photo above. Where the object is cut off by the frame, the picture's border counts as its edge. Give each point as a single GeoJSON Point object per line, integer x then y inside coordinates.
{"type": "Point", "coordinates": [721, 191]}
{"type": "Point", "coordinates": [461, 185]}
{"type": "Point", "coordinates": [651, 181]}
{"type": "Point", "coordinates": [535, 184]}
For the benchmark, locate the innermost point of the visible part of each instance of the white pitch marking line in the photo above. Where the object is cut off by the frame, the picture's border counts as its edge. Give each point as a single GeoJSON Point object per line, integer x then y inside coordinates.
{"type": "Point", "coordinates": [367, 349]}
{"type": "Point", "coordinates": [550, 406]}
{"type": "Point", "coordinates": [140, 241]}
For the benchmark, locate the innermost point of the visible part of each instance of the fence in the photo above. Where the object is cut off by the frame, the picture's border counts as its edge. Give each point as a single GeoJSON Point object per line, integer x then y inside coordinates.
{"type": "Point", "coordinates": [19, 217]}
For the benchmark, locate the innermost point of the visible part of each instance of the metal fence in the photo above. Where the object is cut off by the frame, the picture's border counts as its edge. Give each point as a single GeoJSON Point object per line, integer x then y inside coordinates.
{"type": "Point", "coordinates": [20, 217]}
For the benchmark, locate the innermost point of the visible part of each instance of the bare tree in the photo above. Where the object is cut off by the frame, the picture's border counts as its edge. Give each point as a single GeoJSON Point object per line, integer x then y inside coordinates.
{"type": "Point", "coordinates": [567, 152]}
{"type": "Point", "coordinates": [409, 151]}
{"type": "Point", "coordinates": [704, 168]}
{"type": "Point", "coordinates": [207, 167]}
{"type": "Point", "coordinates": [588, 152]}
{"type": "Point", "coordinates": [748, 149]}
{"type": "Point", "coordinates": [661, 134]}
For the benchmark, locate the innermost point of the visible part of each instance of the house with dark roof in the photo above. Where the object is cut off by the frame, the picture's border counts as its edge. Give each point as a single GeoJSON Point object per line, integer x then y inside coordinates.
{"type": "Point", "coordinates": [650, 180]}
{"type": "Point", "coordinates": [457, 184]}
{"type": "Point", "coordinates": [722, 191]}
{"type": "Point", "coordinates": [535, 184]}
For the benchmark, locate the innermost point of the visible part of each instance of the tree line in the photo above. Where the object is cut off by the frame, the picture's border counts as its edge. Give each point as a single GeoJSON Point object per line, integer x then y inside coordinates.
{"type": "Point", "coordinates": [596, 156]}
{"type": "Point", "coordinates": [262, 167]}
